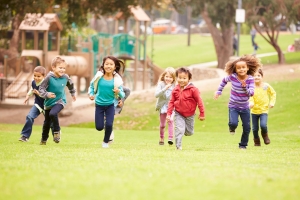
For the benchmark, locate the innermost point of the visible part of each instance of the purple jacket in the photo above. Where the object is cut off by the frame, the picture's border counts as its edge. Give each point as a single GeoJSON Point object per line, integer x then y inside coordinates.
{"type": "Point", "coordinates": [239, 96]}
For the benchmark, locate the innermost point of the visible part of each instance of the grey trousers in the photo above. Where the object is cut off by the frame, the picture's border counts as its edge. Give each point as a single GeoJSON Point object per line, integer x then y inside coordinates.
{"type": "Point", "coordinates": [183, 126]}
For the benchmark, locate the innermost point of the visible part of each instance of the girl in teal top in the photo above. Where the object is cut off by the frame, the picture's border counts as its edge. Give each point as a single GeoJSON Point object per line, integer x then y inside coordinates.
{"type": "Point", "coordinates": [104, 88]}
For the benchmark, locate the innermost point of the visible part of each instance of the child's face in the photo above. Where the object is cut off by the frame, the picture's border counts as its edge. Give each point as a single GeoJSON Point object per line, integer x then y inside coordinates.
{"type": "Point", "coordinates": [109, 66]}
{"type": "Point", "coordinates": [168, 78]}
{"type": "Point", "coordinates": [257, 77]}
{"type": "Point", "coordinates": [38, 77]}
{"type": "Point", "coordinates": [241, 68]}
{"type": "Point", "coordinates": [183, 79]}
{"type": "Point", "coordinates": [59, 70]}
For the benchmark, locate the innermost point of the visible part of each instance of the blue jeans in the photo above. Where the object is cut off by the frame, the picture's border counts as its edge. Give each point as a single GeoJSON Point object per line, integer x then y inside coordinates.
{"type": "Point", "coordinates": [244, 114]}
{"type": "Point", "coordinates": [105, 114]}
{"type": "Point", "coordinates": [33, 114]}
{"type": "Point", "coordinates": [51, 116]}
{"type": "Point", "coordinates": [263, 118]}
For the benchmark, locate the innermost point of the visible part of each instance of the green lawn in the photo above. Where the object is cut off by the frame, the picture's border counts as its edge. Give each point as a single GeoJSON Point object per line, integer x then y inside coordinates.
{"type": "Point", "coordinates": [210, 166]}
{"type": "Point", "coordinates": [168, 50]}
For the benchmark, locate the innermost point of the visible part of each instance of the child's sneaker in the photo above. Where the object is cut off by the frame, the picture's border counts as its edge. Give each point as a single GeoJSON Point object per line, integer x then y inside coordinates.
{"type": "Point", "coordinates": [105, 145]}
{"type": "Point", "coordinates": [170, 142]}
{"type": "Point", "coordinates": [179, 148]}
{"type": "Point", "coordinates": [266, 138]}
{"type": "Point", "coordinates": [232, 132]}
{"type": "Point", "coordinates": [56, 136]}
{"type": "Point", "coordinates": [43, 142]}
{"type": "Point", "coordinates": [23, 139]}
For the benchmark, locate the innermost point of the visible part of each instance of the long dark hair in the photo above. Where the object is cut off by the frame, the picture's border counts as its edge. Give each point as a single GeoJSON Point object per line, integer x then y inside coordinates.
{"type": "Point", "coordinates": [120, 66]}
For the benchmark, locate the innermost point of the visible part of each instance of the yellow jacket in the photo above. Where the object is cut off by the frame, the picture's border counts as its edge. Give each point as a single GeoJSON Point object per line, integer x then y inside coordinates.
{"type": "Point", "coordinates": [261, 100]}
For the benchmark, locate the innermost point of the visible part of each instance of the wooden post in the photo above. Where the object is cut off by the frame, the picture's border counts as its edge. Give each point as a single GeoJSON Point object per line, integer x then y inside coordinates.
{"type": "Point", "coordinates": [137, 31]}
{"type": "Point", "coordinates": [23, 40]}
{"type": "Point", "coordinates": [5, 70]}
{"type": "Point", "coordinates": [58, 41]}
{"type": "Point", "coordinates": [35, 45]}
{"type": "Point", "coordinates": [145, 60]}
{"type": "Point", "coordinates": [45, 51]}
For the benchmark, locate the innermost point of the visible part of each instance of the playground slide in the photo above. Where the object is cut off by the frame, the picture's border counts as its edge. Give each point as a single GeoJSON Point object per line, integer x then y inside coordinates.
{"type": "Point", "coordinates": [20, 86]}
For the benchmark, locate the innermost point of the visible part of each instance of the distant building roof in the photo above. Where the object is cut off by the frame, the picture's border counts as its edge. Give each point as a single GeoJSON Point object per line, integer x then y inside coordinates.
{"type": "Point", "coordinates": [37, 21]}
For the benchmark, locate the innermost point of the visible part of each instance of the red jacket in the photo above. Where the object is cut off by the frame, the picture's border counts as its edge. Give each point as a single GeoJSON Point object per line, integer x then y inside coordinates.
{"type": "Point", "coordinates": [185, 101]}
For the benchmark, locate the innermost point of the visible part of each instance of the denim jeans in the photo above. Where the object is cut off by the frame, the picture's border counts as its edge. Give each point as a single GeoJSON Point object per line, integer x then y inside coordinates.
{"type": "Point", "coordinates": [33, 114]}
{"type": "Point", "coordinates": [263, 118]}
{"type": "Point", "coordinates": [51, 116]}
{"type": "Point", "coordinates": [105, 114]}
{"type": "Point", "coordinates": [244, 114]}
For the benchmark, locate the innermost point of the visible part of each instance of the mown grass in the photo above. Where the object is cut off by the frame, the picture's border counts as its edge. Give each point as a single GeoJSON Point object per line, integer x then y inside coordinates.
{"type": "Point", "coordinates": [172, 50]}
{"type": "Point", "coordinates": [210, 166]}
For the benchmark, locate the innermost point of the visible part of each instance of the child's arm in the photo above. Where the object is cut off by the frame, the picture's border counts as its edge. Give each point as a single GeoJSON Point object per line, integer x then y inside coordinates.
{"type": "Point", "coordinates": [119, 92]}
{"type": "Point", "coordinates": [249, 87]}
{"type": "Point", "coordinates": [71, 88]}
{"type": "Point", "coordinates": [161, 89]}
{"type": "Point", "coordinates": [251, 102]}
{"type": "Point", "coordinates": [221, 87]}
{"type": "Point", "coordinates": [127, 93]}
{"type": "Point", "coordinates": [43, 89]}
{"type": "Point", "coordinates": [171, 106]}
{"type": "Point", "coordinates": [196, 94]}
{"type": "Point", "coordinates": [272, 95]}
{"type": "Point", "coordinates": [28, 95]}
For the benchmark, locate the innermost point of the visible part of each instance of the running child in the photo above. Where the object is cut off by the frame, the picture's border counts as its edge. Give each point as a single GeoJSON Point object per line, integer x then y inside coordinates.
{"type": "Point", "coordinates": [240, 74]}
{"type": "Point", "coordinates": [264, 98]}
{"type": "Point", "coordinates": [38, 107]}
{"type": "Point", "coordinates": [105, 87]}
{"type": "Point", "coordinates": [52, 90]}
{"type": "Point", "coordinates": [184, 100]}
{"type": "Point", "coordinates": [164, 88]}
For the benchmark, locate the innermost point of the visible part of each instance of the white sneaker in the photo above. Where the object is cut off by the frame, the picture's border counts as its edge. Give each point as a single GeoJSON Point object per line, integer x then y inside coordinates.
{"type": "Point", "coordinates": [105, 145]}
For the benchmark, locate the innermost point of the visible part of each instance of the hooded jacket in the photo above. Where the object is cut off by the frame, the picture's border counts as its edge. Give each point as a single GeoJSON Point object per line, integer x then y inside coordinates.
{"type": "Point", "coordinates": [94, 83]}
{"type": "Point", "coordinates": [185, 101]}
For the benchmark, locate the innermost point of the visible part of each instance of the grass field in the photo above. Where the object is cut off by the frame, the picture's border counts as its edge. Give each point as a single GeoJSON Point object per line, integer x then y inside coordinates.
{"type": "Point", "coordinates": [210, 166]}
{"type": "Point", "coordinates": [168, 50]}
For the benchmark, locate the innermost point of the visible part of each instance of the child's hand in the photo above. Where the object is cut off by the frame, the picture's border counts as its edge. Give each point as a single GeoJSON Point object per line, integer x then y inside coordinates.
{"type": "Point", "coordinates": [168, 86]}
{"type": "Point", "coordinates": [36, 92]}
{"type": "Point", "coordinates": [243, 83]}
{"type": "Point", "coordinates": [216, 96]}
{"type": "Point", "coordinates": [26, 99]}
{"type": "Point", "coordinates": [51, 95]}
{"type": "Point", "coordinates": [74, 98]}
{"type": "Point", "coordinates": [251, 105]}
{"type": "Point", "coordinates": [120, 103]}
{"type": "Point", "coordinates": [168, 118]}
{"type": "Point", "coordinates": [201, 118]}
{"type": "Point", "coordinates": [92, 97]}
{"type": "Point", "coordinates": [116, 90]}
{"type": "Point", "coordinates": [271, 106]}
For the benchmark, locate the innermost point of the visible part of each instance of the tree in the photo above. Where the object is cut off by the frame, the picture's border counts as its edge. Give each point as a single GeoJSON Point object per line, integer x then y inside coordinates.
{"type": "Point", "coordinates": [271, 14]}
{"type": "Point", "coordinates": [220, 12]}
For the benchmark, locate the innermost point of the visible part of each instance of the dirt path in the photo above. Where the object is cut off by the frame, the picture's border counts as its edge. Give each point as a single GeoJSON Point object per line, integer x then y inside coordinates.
{"type": "Point", "coordinates": [86, 113]}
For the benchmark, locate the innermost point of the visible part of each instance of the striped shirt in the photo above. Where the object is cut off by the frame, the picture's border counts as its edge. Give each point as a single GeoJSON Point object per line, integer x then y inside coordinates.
{"type": "Point", "coordinates": [239, 96]}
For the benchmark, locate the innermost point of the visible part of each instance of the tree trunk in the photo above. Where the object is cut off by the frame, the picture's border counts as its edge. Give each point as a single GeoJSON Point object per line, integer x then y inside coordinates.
{"type": "Point", "coordinates": [223, 40]}
{"type": "Point", "coordinates": [14, 41]}
{"type": "Point", "coordinates": [271, 38]}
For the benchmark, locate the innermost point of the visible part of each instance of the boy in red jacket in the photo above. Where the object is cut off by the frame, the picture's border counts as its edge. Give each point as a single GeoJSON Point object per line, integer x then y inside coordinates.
{"type": "Point", "coordinates": [184, 99]}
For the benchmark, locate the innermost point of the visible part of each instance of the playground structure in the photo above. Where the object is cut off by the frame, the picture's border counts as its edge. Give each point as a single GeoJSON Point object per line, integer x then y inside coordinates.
{"type": "Point", "coordinates": [83, 60]}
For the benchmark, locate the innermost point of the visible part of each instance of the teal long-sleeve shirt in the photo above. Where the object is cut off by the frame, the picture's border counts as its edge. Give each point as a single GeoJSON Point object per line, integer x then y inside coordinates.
{"type": "Point", "coordinates": [105, 95]}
